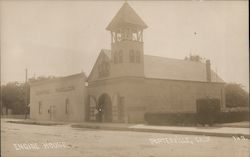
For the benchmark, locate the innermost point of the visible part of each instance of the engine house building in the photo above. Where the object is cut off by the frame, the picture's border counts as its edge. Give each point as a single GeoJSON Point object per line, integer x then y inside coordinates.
{"type": "Point", "coordinates": [59, 99]}
{"type": "Point", "coordinates": [125, 83]}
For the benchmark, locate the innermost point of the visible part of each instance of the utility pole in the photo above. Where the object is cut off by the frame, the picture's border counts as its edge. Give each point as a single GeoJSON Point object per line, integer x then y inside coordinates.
{"type": "Point", "coordinates": [1, 101]}
{"type": "Point", "coordinates": [26, 93]}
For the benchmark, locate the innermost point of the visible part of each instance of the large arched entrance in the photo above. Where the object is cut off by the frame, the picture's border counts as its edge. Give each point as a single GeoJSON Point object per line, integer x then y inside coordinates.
{"type": "Point", "coordinates": [104, 108]}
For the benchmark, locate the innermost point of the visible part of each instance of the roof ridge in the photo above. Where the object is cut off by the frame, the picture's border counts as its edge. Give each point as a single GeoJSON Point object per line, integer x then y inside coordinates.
{"type": "Point", "coordinates": [163, 57]}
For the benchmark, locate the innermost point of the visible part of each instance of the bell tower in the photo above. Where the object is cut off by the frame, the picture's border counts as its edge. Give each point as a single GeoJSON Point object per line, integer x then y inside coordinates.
{"type": "Point", "coordinates": [127, 43]}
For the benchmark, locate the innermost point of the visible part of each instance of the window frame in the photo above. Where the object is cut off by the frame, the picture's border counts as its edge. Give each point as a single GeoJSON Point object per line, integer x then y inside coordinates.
{"type": "Point", "coordinates": [131, 56]}
{"type": "Point", "coordinates": [67, 106]}
{"type": "Point", "coordinates": [40, 107]}
{"type": "Point", "coordinates": [120, 56]}
{"type": "Point", "coordinates": [137, 57]}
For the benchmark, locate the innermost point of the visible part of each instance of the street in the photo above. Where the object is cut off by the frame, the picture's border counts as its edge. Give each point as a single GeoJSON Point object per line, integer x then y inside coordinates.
{"type": "Point", "coordinates": [23, 140]}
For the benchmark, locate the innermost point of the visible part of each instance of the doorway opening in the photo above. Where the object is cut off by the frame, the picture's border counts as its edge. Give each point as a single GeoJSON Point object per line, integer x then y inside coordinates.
{"type": "Point", "coordinates": [104, 108]}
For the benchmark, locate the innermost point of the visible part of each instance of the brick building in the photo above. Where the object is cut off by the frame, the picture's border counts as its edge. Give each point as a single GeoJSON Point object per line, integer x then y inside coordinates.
{"type": "Point", "coordinates": [125, 83]}
{"type": "Point", "coordinates": [58, 99]}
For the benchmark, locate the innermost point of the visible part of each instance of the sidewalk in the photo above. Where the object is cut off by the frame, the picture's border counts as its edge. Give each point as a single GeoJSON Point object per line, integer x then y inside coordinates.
{"type": "Point", "coordinates": [209, 131]}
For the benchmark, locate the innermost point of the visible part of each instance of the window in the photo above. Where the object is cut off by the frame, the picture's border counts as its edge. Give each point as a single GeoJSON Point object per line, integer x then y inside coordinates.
{"type": "Point", "coordinates": [119, 35]}
{"type": "Point", "coordinates": [128, 34]}
{"type": "Point", "coordinates": [115, 57]}
{"type": "Point", "coordinates": [40, 107]}
{"type": "Point", "coordinates": [67, 106]}
{"type": "Point", "coordinates": [121, 108]}
{"type": "Point", "coordinates": [134, 36]}
{"type": "Point", "coordinates": [137, 58]}
{"type": "Point", "coordinates": [104, 69]}
{"type": "Point", "coordinates": [120, 56]}
{"type": "Point", "coordinates": [131, 56]}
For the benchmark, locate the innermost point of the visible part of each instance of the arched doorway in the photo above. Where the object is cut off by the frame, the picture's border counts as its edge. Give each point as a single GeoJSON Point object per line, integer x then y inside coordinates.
{"type": "Point", "coordinates": [104, 108]}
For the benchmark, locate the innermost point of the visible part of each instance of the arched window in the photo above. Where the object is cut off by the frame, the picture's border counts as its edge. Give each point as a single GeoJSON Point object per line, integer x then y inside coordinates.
{"type": "Point", "coordinates": [119, 35]}
{"type": "Point", "coordinates": [137, 58]}
{"type": "Point", "coordinates": [103, 69]}
{"type": "Point", "coordinates": [120, 56]}
{"type": "Point", "coordinates": [106, 69]}
{"type": "Point", "coordinates": [131, 56]}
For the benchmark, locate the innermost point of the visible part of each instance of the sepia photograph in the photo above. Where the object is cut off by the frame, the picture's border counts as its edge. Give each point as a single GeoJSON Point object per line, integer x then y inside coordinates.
{"type": "Point", "coordinates": [124, 78]}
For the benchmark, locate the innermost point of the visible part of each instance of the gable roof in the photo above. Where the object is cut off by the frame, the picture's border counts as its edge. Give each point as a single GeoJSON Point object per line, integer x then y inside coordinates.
{"type": "Point", "coordinates": [104, 52]}
{"type": "Point", "coordinates": [126, 16]}
{"type": "Point", "coordinates": [174, 69]}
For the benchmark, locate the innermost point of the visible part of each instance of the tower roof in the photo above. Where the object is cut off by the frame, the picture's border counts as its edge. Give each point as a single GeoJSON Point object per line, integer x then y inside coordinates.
{"type": "Point", "coordinates": [126, 16]}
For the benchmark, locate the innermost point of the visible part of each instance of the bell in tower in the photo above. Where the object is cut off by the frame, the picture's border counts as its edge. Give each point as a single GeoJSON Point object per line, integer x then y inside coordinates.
{"type": "Point", "coordinates": [127, 43]}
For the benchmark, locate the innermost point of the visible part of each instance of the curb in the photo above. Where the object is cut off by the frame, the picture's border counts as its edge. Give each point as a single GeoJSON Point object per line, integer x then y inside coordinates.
{"type": "Point", "coordinates": [233, 126]}
{"type": "Point", "coordinates": [35, 123]}
{"type": "Point", "coordinates": [102, 127]}
{"type": "Point", "coordinates": [160, 131]}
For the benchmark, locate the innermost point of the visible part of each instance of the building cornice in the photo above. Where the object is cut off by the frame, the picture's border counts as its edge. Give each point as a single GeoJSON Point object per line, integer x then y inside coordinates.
{"type": "Point", "coordinates": [53, 80]}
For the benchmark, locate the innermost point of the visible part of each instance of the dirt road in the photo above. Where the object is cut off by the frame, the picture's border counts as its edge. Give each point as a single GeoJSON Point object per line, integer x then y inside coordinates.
{"type": "Point", "coordinates": [21, 140]}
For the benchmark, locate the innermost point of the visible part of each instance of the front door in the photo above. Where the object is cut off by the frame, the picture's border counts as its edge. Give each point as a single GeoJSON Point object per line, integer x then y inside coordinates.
{"type": "Point", "coordinates": [104, 108]}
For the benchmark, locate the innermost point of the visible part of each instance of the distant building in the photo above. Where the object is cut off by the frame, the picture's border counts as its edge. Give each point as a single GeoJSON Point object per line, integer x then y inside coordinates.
{"type": "Point", "coordinates": [124, 83]}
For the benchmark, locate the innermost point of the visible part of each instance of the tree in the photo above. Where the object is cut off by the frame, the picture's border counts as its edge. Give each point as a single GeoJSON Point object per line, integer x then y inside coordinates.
{"type": "Point", "coordinates": [236, 96]}
{"type": "Point", "coordinates": [41, 78]}
{"type": "Point", "coordinates": [14, 97]}
{"type": "Point", "coordinates": [195, 58]}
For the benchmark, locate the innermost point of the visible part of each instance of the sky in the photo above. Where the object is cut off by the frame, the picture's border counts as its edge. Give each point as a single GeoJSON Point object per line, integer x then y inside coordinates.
{"type": "Point", "coordinates": [65, 37]}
